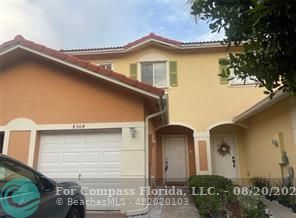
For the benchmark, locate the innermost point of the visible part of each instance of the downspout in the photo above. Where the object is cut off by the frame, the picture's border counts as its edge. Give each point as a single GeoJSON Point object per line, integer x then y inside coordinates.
{"type": "Point", "coordinates": [163, 108]}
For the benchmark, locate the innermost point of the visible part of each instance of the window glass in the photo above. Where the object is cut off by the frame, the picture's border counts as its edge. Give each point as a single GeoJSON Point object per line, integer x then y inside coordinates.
{"type": "Point", "coordinates": [106, 66]}
{"type": "Point", "coordinates": [154, 74]}
{"type": "Point", "coordinates": [160, 75]}
{"type": "Point", "coordinates": [147, 73]}
{"type": "Point", "coordinates": [10, 170]}
{"type": "Point", "coordinates": [238, 81]}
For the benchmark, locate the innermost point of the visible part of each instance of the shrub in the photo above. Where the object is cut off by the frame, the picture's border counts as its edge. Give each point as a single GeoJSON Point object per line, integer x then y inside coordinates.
{"type": "Point", "coordinates": [208, 204]}
{"type": "Point", "coordinates": [287, 199]}
{"type": "Point", "coordinates": [251, 206]}
{"type": "Point", "coordinates": [260, 182]}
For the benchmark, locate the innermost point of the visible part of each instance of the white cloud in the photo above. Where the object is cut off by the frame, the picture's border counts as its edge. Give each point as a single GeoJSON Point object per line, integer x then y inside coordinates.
{"type": "Point", "coordinates": [28, 19]}
{"type": "Point", "coordinates": [98, 23]}
{"type": "Point", "coordinates": [210, 36]}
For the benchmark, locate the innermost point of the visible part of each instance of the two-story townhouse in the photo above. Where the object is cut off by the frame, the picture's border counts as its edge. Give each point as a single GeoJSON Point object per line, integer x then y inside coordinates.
{"type": "Point", "coordinates": [201, 105]}
{"type": "Point", "coordinates": [164, 116]}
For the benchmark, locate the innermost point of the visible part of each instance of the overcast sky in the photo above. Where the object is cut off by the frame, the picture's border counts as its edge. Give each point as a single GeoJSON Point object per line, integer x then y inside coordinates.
{"type": "Point", "coordinates": [98, 23]}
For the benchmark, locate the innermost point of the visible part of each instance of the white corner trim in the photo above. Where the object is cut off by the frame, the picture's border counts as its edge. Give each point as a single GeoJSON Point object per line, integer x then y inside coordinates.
{"type": "Point", "coordinates": [81, 69]}
{"type": "Point", "coordinates": [6, 142]}
{"type": "Point", "coordinates": [32, 148]}
{"type": "Point", "coordinates": [196, 151]}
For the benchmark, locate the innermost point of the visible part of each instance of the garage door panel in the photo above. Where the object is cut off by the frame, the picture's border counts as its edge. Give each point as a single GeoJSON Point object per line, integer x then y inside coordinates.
{"type": "Point", "coordinates": [111, 145]}
{"type": "Point", "coordinates": [112, 156]}
{"type": "Point", "coordinates": [91, 138]}
{"type": "Point", "coordinates": [68, 157]}
{"type": "Point", "coordinates": [111, 136]}
{"type": "Point", "coordinates": [91, 157]}
{"type": "Point", "coordinates": [50, 157]}
{"type": "Point", "coordinates": [51, 139]}
{"type": "Point", "coordinates": [49, 168]}
{"type": "Point", "coordinates": [73, 139]}
{"type": "Point", "coordinates": [95, 155]}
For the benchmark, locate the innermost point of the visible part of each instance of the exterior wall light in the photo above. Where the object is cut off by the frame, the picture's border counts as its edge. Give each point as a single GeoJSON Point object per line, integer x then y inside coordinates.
{"type": "Point", "coordinates": [275, 142]}
{"type": "Point", "coordinates": [133, 131]}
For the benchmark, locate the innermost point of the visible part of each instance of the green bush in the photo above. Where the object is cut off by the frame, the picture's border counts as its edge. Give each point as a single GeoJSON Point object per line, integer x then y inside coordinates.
{"type": "Point", "coordinates": [260, 182]}
{"type": "Point", "coordinates": [208, 204]}
{"type": "Point", "coordinates": [287, 199]}
{"type": "Point", "coordinates": [251, 206]}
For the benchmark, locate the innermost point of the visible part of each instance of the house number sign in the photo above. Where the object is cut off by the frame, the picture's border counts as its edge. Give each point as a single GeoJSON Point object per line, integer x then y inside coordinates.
{"type": "Point", "coordinates": [78, 126]}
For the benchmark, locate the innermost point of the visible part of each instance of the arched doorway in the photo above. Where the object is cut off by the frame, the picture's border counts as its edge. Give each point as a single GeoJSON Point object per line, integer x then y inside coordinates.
{"type": "Point", "coordinates": [226, 146]}
{"type": "Point", "coordinates": [173, 155]}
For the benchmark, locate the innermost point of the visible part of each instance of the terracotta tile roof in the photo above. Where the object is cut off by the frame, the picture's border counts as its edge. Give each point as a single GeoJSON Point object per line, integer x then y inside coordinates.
{"type": "Point", "coordinates": [152, 36]}
{"type": "Point", "coordinates": [146, 38]}
{"type": "Point", "coordinates": [19, 40]}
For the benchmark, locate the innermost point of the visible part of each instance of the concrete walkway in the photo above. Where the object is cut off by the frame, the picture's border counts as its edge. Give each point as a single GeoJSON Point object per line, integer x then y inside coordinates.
{"type": "Point", "coordinates": [277, 210]}
{"type": "Point", "coordinates": [183, 210]}
{"type": "Point", "coordinates": [172, 207]}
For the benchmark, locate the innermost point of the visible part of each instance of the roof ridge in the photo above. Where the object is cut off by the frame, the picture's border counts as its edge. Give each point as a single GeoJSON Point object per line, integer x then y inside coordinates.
{"type": "Point", "coordinates": [81, 63]}
{"type": "Point", "coordinates": [151, 36]}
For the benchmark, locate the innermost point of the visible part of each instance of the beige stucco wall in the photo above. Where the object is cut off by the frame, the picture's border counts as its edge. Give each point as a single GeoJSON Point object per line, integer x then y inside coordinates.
{"type": "Point", "coordinates": [19, 145]}
{"type": "Point", "coordinates": [50, 94]}
{"type": "Point", "coordinates": [199, 101]}
{"type": "Point", "coordinates": [261, 157]}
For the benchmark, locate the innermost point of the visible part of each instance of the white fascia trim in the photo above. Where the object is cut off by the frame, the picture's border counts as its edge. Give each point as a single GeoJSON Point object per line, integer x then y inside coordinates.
{"type": "Point", "coordinates": [151, 40]}
{"type": "Point", "coordinates": [81, 69]}
{"type": "Point", "coordinates": [202, 45]}
{"type": "Point", "coordinates": [71, 126]}
{"type": "Point", "coordinates": [260, 106]}
{"type": "Point", "coordinates": [118, 50]}
{"type": "Point", "coordinates": [96, 51]}
{"type": "Point", "coordinates": [123, 50]}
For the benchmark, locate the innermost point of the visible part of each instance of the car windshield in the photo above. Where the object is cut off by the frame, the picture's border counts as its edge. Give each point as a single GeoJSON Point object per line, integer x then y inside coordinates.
{"type": "Point", "coordinates": [10, 170]}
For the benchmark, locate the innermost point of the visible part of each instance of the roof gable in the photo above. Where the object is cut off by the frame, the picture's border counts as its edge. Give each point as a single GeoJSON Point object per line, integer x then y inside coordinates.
{"type": "Point", "coordinates": [152, 37]}
{"type": "Point", "coordinates": [81, 65]}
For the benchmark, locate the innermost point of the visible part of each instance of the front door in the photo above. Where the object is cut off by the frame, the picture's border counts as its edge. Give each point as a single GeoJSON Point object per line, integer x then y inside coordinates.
{"type": "Point", "coordinates": [224, 156]}
{"type": "Point", "coordinates": [175, 159]}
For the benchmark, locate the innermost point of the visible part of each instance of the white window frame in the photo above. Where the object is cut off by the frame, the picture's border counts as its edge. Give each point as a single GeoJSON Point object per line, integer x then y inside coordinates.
{"type": "Point", "coordinates": [167, 85]}
{"type": "Point", "coordinates": [240, 82]}
{"type": "Point", "coordinates": [106, 63]}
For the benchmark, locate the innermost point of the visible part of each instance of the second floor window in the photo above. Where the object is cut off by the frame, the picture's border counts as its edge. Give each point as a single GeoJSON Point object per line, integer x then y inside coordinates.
{"type": "Point", "coordinates": [107, 66]}
{"type": "Point", "coordinates": [154, 74]}
{"type": "Point", "coordinates": [237, 81]}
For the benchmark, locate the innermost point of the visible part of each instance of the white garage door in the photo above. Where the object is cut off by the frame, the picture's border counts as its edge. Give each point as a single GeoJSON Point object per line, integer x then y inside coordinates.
{"type": "Point", "coordinates": [90, 158]}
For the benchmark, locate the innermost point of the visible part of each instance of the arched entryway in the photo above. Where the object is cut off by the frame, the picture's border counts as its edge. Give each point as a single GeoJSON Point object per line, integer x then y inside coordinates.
{"type": "Point", "coordinates": [226, 146]}
{"type": "Point", "coordinates": [173, 156]}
